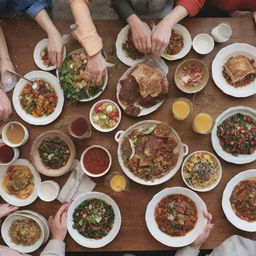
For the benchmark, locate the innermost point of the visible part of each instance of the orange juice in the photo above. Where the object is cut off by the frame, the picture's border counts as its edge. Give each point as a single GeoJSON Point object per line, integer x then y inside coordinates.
{"type": "Point", "coordinates": [181, 108]}
{"type": "Point", "coordinates": [203, 123]}
{"type": "Point", "coordinates": [118, 183]}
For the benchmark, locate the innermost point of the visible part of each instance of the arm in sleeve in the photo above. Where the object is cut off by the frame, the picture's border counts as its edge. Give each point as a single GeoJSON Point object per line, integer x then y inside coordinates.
{"type": "Point", "coordinates": [192, 6]}
{"type": "Point", "coordinates": [123, 8]}
{"type": "Point", "coordinates": [54, 248]}
{"type": "Point", "coordinates": [86, 32]}
{"type": "Point", "coordinates": [37, 6]}
{"type": "Point", "coordinates": [187, 251]}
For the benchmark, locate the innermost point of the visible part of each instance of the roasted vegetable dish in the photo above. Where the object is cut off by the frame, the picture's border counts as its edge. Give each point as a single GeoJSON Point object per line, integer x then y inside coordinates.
{"type": "Point", "coordinates": [18, 181]}
{"type": "Point", "coordinates": [24, 231]}
{"type": "Point", "coordinates": [176, 215]}
{"type": "Point", "coordinates": [201, 170]}
{"type": "Point", "coordinates": [38, 101]}
{"type": "Point", "coordinates": [176, 43]}
{"type": "Point", "coordinates": [45, 58]}
{"type": "Point", "coordinates": [93, 218]}
{"type": "Point", "coordinates": [237, 134]}
{"type": "Point", "coordinates": [74, 78]}
{"type": "Point", "coordinates": [54, 152]}
{"type": "Point", "coordinates": [148, 151]}
{"type": "Point", "coordinates": [243, 200]}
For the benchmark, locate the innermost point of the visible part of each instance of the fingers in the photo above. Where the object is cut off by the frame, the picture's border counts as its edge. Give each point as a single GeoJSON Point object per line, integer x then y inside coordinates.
{"type": "Point", "coordinates": [208, 216]}
{"type": "Point", "coordinates": [98, 77]}
{"type": "Point", "coordinates": [64, 218]}
{"type": "Point", "coordinates": [59, 60]}
{"type": "Point", "coordinates": [62, 209]}
{"type": "Point", "coordinates": [148, 46]}
{"type": "Point", "coordinates": [52, 56]}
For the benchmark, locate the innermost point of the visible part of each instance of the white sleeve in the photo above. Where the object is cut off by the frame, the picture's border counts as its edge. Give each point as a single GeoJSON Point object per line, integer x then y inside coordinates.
{"type": "Point", "coordinates": [187, 251]}
{"type": "Point", "coordinates": [54, 248]}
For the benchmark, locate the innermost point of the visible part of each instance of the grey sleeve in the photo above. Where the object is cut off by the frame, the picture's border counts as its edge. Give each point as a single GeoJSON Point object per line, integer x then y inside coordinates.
{"type": "Point", "coordinates": [123, 8]}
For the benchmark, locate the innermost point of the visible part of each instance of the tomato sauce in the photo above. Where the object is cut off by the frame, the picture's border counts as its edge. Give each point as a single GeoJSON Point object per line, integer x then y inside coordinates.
{"type": "Point", "coordinates": [96, 160]}
{"type": "Point", "coordinates": [6, 154]}
{"type": "Point", "coordinates": [79, 126]}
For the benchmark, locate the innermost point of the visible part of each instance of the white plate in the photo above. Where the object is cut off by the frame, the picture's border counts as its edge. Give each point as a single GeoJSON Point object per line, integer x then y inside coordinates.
{"type": "Point", "coordinates": [187, 44]}
{"type": "Point", "coordinates": [53, 81]}
{"type": "Point", "coordinates": [11, 199]}
{"type": "Point", "coordinates": [23, 249]}
{"type": "Point", "coordinates": [219, 172]}
{"type": "Point", "coordinates": [143, 111]}
{"type": "Point", "coordinates": [121, 38]}
{"type": "Point", "coordinates": [41, 45]}
{"type": "Point", "coordinates": [93, 243]}
{"type": "Point", "coordinates": [162, 237]}
{"type": "Point", "coordinates": [226, 205]}
{"type": "Point", "coordinates": [217, 66]}
{"type": "Point", "coordinates": [239, 159]}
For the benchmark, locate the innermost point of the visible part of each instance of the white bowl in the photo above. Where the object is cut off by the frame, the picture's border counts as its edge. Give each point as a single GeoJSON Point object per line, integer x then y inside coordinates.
{"type": "Point", "coordinates": [91, 174]}
{"type": "Point", "coordinates": [5, 138]}
{"type": "Point", "coordinates": [15, 157]}
{"type": "Point", "coordinates": [219, 172]}
{"type": "Point", "coordinates": [97, 127]}
{"type": "Point", "coordinates": [203, 43]}
{"type": "Point", "coordinates": [47, 198]}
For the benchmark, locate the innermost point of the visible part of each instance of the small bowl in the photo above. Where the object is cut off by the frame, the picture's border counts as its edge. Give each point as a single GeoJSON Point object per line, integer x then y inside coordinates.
{"type": "Point", "coordinates": [203, 43]}
{"type": "Point", "coordinates": [86, 134]}
{"type": "Point", "coordinates": [219, 174]}
{"type": "Point", "coordinates": [204, 81]}
{"type": "Point", "coordinates": [45, 197]}
{"type": "Point", "coordinates": [97, 127]}
{"type": "Point", "coordinates": [10, 144]}
{"type": "Point", "coordinates": [89, 173]}
{"type": "Point", "coordinates": [15, 151]}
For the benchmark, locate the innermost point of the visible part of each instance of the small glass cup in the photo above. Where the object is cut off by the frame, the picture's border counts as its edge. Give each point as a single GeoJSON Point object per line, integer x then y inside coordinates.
{"type": "Point", "coordinates": [117, 182]}
{"type": "Point", "coordinates": [75, 123]}
{"type": "Point", "coordinates": [221, 33]}
{"type": "Point", "coordinates": [202, 123]}
{"type": "Point", "coordinates": [182, 108]}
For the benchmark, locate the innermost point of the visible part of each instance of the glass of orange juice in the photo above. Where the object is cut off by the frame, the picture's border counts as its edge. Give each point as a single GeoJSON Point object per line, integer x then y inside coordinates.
{"type": "Point", "coordinates": [202, 123]}
{"type": "Point", "coordinates": [117, 182]}
{"type": "Point", "coordinates": [182, 108]}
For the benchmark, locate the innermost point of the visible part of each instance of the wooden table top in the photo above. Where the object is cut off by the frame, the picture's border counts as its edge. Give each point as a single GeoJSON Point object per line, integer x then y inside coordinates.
{"type": "Point", "coordinates": [22, 37]}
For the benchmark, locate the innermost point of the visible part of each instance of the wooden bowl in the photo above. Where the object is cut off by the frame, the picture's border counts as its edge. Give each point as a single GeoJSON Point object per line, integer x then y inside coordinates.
{"type": "Point", "coordinates": [36, 160]}
{"type": "Point", "coordinates": [191, 89]}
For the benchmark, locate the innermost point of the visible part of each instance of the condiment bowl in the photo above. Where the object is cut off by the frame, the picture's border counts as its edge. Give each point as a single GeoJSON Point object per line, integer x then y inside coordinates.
{"type": "Point", "coordinates": [15, 156]}
{"type": "Point", "coordinates": [92, 174]}
{"type": "Point", "coordinates": [43, 196]}
{"type": "Point", "coordinates": [87, 134]}
{"type": "Point", "coordinates": [7, 141]}
{"type": "Point", "coordinates": [203, 43]}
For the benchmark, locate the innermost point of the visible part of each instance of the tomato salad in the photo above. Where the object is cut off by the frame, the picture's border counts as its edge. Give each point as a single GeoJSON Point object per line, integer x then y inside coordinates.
{"type": "Point", "coordinates": [237, 134]}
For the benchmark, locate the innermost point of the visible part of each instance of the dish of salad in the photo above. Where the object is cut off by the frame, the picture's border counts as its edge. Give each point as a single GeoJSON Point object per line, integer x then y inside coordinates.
{"type": "Point", "coordinates": [54, 152]}
{"type": "Point", "coordinates": [38, 101]}
{"type": "Point", "coordinates": [105, 115]}
{"type": "Point", "coordinates": [237, 134]}
{"type": "Point", "coordinates": [93, 218]}
{"type": "Point", "coordinates": [74, 78]}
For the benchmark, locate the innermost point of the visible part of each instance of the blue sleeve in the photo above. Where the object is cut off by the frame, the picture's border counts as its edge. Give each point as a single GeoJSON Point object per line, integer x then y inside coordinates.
{"type": "Point", "coordinates": [37, 6]}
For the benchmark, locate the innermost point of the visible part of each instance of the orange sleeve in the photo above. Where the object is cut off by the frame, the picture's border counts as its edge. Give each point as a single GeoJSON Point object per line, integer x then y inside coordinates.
{"type": "Point", "coordinates": [86, 32]}
{"type": "Point", "coordinates": [192, 6]}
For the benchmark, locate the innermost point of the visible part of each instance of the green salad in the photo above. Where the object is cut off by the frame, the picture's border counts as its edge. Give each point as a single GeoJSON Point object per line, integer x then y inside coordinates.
{"type": "Point", "coordinates": [74, 78]}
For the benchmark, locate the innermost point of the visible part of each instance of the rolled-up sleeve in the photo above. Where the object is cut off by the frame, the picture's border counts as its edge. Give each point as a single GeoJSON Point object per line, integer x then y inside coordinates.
{"type": "Point", "coordinates": [187, 251]}
{"type": "Point", "coordinates": [54, 248]}
{"type": "Point", "coordinates": [36, 7]}
{"type": "Point", "coordinates": [123, 8]}
{"type": "Point", "coordinates": [192, 6]}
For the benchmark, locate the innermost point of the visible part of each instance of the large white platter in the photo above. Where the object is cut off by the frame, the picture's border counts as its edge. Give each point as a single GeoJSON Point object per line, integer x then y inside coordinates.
{"type": "Point", "coordinates": [187, 44]}
{"type": "Point", "coordinates": [53, 81]}
{"type": "Point", "coordinates": [239, 159]}
{"type": "Point", "coordinates": [226, 205]}
{"type": "Point", "coordinates": [93, 243]}
{"type": "Point", "coordinates": [162, 237]}
{"type": "Point", "coordinates": [121, 38]}
{"type": "Point", "coordinates": [221, 58]}
{"type": "Point", "coordinates": [11, 199]}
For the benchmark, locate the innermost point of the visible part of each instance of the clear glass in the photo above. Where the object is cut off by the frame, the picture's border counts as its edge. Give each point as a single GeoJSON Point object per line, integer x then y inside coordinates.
{"type": "Point", "coordinates": [207, 131]}
{"type": "Point", "coordinates": [182, 101]}
{"type": "Point", "coordinates": [87, 134]}
{"type": "Point", "coordinates": [116, 182]}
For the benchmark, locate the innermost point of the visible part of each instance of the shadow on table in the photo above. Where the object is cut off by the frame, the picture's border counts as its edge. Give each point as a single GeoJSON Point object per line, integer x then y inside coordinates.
{"type": "Point", "coordinates": [139, 253]}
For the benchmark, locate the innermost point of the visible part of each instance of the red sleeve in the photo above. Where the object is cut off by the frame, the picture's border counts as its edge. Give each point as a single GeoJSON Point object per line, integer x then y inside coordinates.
{"type": "Point", "coordinates": [192, 6]}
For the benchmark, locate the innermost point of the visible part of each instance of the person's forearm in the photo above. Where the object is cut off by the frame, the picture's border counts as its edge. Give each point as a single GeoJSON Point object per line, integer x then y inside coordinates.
{"type": "Point", "coordinates": [133, 20]}
{"type": "Point", "coordinates": [4, 54]}
{"type": "Point", "coordinates": [176, 15]}
{"type": "Point", "coordinates": [123, 8]}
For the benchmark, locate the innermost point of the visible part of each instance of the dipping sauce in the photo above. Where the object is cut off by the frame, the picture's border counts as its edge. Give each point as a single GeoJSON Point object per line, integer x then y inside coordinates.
{"type": "Point", "coordinates": [6, 154]}
{"type": "Point", "coordinates": [15, 133]}
{"type": "Point", "coordinates": [203, 123]}
{"type": "Point", "coordinates": [48, 190]}
{"type": "Point", "coordinates": [181, 108]}
{"type": "Point", "coordinates": [96, 160]}
{"type": "Point", "coordinates": [79, 127]}
{"type": "Point", "coordinates": [118, 183]}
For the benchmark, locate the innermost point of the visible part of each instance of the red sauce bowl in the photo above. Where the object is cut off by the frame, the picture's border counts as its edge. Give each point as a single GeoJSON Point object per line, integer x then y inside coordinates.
{"type": "Point", "coordinates": [96, 161]}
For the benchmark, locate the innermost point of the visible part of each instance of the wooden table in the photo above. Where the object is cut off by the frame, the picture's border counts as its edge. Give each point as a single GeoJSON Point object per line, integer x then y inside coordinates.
{"type": "Point", "coordinates": [22, 37]}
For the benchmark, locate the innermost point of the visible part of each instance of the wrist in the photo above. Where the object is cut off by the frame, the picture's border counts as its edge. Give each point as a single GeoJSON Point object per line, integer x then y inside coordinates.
{"type": "Point", "coordinates": [52, 32]}
{"type": "Point", "coordinates": [133, 20]}
{"type": "Point", "coordinates": [195, 246]}
{"type": "Point", "coordinates": [58, 238]}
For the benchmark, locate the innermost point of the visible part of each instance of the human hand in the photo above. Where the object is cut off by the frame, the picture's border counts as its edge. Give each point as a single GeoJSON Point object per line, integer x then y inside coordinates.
{"type": "Point", "coordinates": [5, 209]}
{"type": "Point", "coordinates": [206, 232]}
{"type": "Point", "coordinates": [5, 65]}
{"type": "Point", "coordinates": [97, 66]}
{"type": "Point", "coordinates": [58, 223]}
{"type": "Point", "coordinates": [5, 106]}
{"type": "Point", "coordinates": [141, 34]}
{"type": "Point", "coordinates": [160, 38]}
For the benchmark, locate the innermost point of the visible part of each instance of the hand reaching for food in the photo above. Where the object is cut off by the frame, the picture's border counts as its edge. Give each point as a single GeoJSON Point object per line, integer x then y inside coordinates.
{"type": "Point", "coordinates": [206, 232]}
{"type": "Point", "coordinates": [58, 223]}
{"type": "Point", "coordinates": [6, 209]}
{"type": "Point", "coordinates": [5, 106]}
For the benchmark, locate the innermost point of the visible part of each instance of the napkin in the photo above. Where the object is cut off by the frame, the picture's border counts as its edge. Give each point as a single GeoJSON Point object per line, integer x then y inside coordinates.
{"type": "Point", "coordinates": [77, 183]}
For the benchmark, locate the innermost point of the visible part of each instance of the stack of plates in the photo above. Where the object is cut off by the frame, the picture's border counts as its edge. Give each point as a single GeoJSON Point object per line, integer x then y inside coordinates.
{"type": "Point", "coordinates": [38, 218]}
